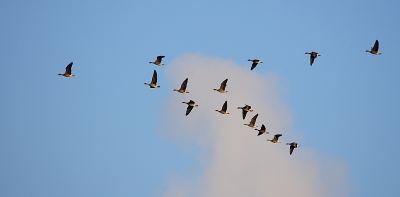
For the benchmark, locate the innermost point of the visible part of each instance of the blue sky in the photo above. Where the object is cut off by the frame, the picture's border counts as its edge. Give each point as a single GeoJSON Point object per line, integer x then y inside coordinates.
{"type": "Point", "coordinates": [104, 133]}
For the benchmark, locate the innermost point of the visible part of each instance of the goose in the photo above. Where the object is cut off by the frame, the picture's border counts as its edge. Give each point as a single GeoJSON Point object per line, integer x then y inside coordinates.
{"type": "Point", "coordinates": [153, 83]}
{"type": "Point", "coordinates": [190, 106]}
{"type": "Point", "coordinates": [275, 140]}
{"type": "Point", "coordinates": [293, 145]}
{"type": "Point", "coordinates": [255, 62]}
{"type": "Point", "coordinates": [262, 130]}
{"type": "Point", "coordinates": [313, 55]}
{"type": "Point", "coordinates": [183, 87]}
{"type": "Point", "coordinates": [374, 49]}
{"type": "Point", "coordinates": [158, 61]}
{"type": "Point", "coordinates": [68, 71]}
{"type": "Point", "coordinates": [252, 122]}
{"type": "Point", "coordinates": [245, 109]}
{"type": "Point", "coordinates": [222, 87]}
{"type": "Point", "coordinates": [224, 108]}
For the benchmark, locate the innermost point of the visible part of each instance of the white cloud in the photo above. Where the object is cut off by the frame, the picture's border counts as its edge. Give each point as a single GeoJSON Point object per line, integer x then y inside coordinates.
{"type": "Point", "coordinates": [236, 161]}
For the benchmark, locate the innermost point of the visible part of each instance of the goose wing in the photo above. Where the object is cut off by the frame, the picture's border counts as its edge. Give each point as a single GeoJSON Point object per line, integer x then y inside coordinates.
{"type": "Point", "coordinates": [184, 84]}
{"type": "Point", "coordinates": [253, 120]}
{"type": "Point", "coordinates": [223, 84]}
{"type": "Point", "coordinates": [244, 113]}
{"type": "Point", "coordinates": [253, 65]}
{"type": "Point", "coordinates": [263, 127]}
{"type": "Point", "coordinates": [311, 59]}
{"type": "Point", "coordinates": [188, 109]}
{"type": "Point", "coordinates": [159, 58]}
{"type": "Point", "coordinates": [291, 149]}
{"type": "Point", "coordinates": [276, 137]}
{"type": "Point", "coordinates": [225, 106]}
{"type": "Point", "coordinates": [376, 46]}
{"type": "Point", "coordinates": [154, 79]}
{"type": "Point", "coordinates": [68, 68]}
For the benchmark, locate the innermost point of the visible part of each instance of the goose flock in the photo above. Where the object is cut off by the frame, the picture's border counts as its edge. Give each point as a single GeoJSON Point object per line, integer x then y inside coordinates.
{"type": "Point", "coordinates": [222, 89]}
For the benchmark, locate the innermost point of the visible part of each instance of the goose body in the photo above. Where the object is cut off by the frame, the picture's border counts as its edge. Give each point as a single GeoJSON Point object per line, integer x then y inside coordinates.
{"type": "Point", "coordinates": [374, 49]}
{"type": "Point", "coordinates": [158, 61]}
{"type": "Point", "coordinates": [224, 108]}
{"type": "Point", "coordinates": [275, 139]}
{"type": "Point", "coordinates": [68, 71]}
{"type": "Point", "coordinates": [190, 106]}
{"type": "Point", "coordinates": [245, 109]}
{"type": "Point", "coordinates": [313, 55]}
{"type": "Point", "coordinates": [153, 83]}
{"type": "Point", "coordinates": [183, 87]}
{"type": "Point", "coordinates": [262, 130]}
{"type": "Point", "coordinates": [293, 145]}
{"type": "Point", "coordinates": [222, 87]}
{"type": "Point", "coordinates": [252, 123]}
{"type": "Point", "coordinates": [255, 63]}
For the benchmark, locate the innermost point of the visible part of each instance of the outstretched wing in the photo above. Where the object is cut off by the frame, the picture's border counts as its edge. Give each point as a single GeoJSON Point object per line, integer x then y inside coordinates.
{"type": "Point", "coordinates": [376, 46]}
{"type": "Point", "coordinates": [277, 136]}
{"type": "Point", "coordinates": [188, 109]}
{"type": "Point", "coordinates": [223, 84]}
{"type": "Point", "coordinates": [253, 120]}
{"type": "Point", "coordinates": [159, 58]}
{"type": "Point", "coordinates": [263, 127]}
{"type": "Point", "coordinates": [225, 106]}
{"type": "Point", "coordinates": [244, 112]}
{"type": "Point", "coordinates": [253, 65]}
{"type": "Point", "coordinates": [184, 84]}
{"type": "Point", "coordinates": [68, 68]}
{"type": "Point", "coordinates": [154, 79]}
{"type": "Point", "coordinates": [311, 59]}
{"type": "Point", "coordinates": [291, 149]}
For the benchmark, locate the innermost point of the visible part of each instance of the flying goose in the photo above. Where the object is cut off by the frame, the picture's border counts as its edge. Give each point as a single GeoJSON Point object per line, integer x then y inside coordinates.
{"type": "Point", "coordinates": [190, 106]}
{"type": "Point", "coordinates": [374, 49]}
{"type": "Point", "coordinates": [276, 137]}
{"type": "Point", "coordinates": [153, 83]}
{"type": "Point", "coordinates": [255, 62]}
{"type": "Point", "coordinates": [262, 130]}
{"type": "Point", "coordinates": [293, 145]}
{"type": "Point", "coordinates": [224, 108]}
{"type": "Point", "coordinates": [68, 71]}
{"type": "Point", "coordinates": [222, 87]}
{"type": "Point", "coordinates": [158, 61]}
{"type": "Point", "coordinates": [313, 55]}
{"type": "Point", "coordinates": [252, 122]}
{"type": "Point", "coordinates": [245, 109]}
{"type": "Point", "coordinates": [183, 87]}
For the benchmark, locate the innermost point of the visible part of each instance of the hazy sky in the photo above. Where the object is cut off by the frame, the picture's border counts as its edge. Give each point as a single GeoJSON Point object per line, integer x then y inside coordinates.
{"type": "Point", "coordinates": [104, 133]}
